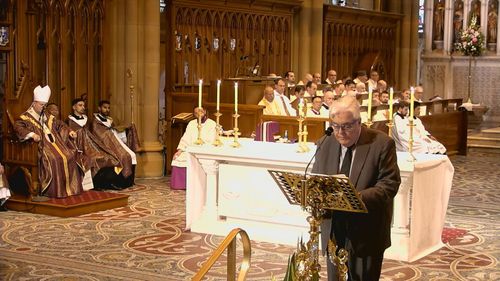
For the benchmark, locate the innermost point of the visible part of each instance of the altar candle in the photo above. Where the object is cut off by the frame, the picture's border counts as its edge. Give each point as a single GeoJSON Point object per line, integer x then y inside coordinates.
{"type": "Point", "coordinates": [370, 94]}
{"type": "Point", "coordinates": [236, 97]}
{"type": "Point", "coordinates": [218, 94]}
{"type": "Point", "coordinates": [391, 96]}
{"type": "Point", "coordinates": [200, 86]}
{"type": "Point", "coordinates": [412, 101]}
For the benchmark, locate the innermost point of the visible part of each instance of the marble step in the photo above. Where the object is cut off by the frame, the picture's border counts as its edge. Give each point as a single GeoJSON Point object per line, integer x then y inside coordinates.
{"type": "Point", "coordinates": [477, 148]}
{"type": "Point", "coordinates": [483, 141]}
{"type": "Point", "coordinates": [491, 133]}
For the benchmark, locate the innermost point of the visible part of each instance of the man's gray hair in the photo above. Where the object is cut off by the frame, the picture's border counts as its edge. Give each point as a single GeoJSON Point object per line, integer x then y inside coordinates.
{"type": "Point", "coordinates": [343, 104]}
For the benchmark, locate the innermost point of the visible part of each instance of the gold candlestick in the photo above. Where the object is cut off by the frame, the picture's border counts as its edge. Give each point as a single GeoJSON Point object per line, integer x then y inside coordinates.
{"type": "Point", "coordinates": [302, 134]}
{"type": "Point", "coordinates": [305, 147]}
{"type": "Point", "coordinates": [217, 141]}
{"type": "Point", "coordinates": [390, 124]}
{"type": "Point", "coordinates": [410, 142]}
{"type": "Point", "coordinates": [198, 140]}
{"type": "Point", "coordinates": [236, 132]}
{"type": "Point", "coordinates": [369, 123]}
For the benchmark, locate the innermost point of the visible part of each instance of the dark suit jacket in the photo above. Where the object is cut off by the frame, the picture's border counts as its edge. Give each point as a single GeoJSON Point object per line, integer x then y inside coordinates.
{"type": "Point", "coordinates": [375, 174]}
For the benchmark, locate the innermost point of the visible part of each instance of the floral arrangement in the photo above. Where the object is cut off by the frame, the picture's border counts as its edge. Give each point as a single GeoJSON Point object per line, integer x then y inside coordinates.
{"type": "Point", "coordinates": [471, 40]}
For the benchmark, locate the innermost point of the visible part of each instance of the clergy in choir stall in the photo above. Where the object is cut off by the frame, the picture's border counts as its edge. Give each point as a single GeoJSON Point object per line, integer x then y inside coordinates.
{"type": "Point", "coordinates": [349, 86]}
{"type": "Point", "coordinates": [328, 98]}
{"type": "Point", "coordinates": [423, 141]}
{"type": "Point", "coordinates": [419, 94]}
{"type": "Point", "coordinates": [101, 165]}
{"type": "Point", "coordinates": [368, 158]}
{"type": "Point", "coordinates": [282, 99]}
{"type": "Point", "coordinates": [308, 77]}
{"type": "Point", "coordinates": [311, 88]}
{"type": "Point", "coordinates": [123, 143]}
{"type": "Point", "coordinates": [317, 109]}
{"type": "Point", "coordinates": [361, 88]}
{"type": "Point", "coordinates": [4, 189]}
{"type": "Point", "coordinates": [52, 109]}
{"type": "Point", "coordinates": [60, 175]}
{"type": "Point", "coordinates": [338, 88]}
{"type": "Point", "coordinates": [361, 77]}
{"type": "Point", "coordinates": [317, 78]}
{"type": "Point", "coordinates": [208, 134]}
{"type": "Point", "coordinates": [331, 77]}
{"type": "Point", "coordinates": [381, 86]}
{"type": "Point", "coordinates": [271, 104]}
{"type": "Point", "coordinates": [290, 78]}
{"type": "Point", "coordinates": [374, 77]}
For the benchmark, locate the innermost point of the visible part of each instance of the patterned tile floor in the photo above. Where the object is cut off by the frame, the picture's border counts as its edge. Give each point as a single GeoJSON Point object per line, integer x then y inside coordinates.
{"type": "Point", "coordinates": [145, 240]}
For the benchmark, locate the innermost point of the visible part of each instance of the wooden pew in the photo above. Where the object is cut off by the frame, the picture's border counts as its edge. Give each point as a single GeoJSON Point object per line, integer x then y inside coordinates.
{"type": "Point", "coordinates": [315, 126]}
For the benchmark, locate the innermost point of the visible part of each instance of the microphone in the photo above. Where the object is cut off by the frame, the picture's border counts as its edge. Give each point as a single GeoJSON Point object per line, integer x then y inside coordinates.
{"type": "Point", "coordinates": [328, 132]}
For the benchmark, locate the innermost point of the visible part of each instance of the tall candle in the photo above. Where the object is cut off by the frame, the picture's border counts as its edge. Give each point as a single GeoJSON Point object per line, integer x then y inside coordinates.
{"type": "Point", "coordinates": [412, 101]}
{"type": "Point", "coordinates": [200, 86]}
{"type": "Point", "coordinates": [391, 96]}
{"type": "Point", "coordinates": [218, 94]}
{"type": "Point", "coordinates": [236, 97]}
{"type": "Point", "coordinates": [370, 94]}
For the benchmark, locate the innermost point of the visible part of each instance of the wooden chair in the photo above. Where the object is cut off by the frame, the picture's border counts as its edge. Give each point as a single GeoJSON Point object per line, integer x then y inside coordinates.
{"type": "Point", "coordinates": [21, 157]}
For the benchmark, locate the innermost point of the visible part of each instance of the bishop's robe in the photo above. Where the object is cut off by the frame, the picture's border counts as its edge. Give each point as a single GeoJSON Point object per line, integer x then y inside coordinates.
{"type": "Point", "coordinates": [60, 175]}
{"type": "Point", "coordinates": [102, 127]}
{"type": "Point", "coordinates": [96, 154]}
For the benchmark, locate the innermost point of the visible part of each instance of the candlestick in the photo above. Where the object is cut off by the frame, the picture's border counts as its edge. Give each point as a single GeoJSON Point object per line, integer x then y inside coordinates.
{"type": "Point", "coordinates": [218, 128]}
{"type": "Point", "coordinates": [236, 97]}
{"type": "Point", "coordinates": [236, 132]}
{"type": "Point", "coordinates": [370, 97]}
{"type": "Point", "coordinates": [391, 96]}
{"type": "Point", "coordinates": [198, 140]}
{"type": "Point", "coordinates": [301, 108]}
{"type": "Point", "coordinates": [412, 101]}
{"type": "Point", "coordinates": [218, 95]}
{"type": "Point", "coordinates": [410, 141]}
{"type": "Point", "coordinates": [200, 86]}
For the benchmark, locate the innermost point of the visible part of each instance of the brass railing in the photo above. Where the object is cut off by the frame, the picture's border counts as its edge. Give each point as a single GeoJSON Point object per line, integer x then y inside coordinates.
{"type": "Point", "coordinates": [229, 243]}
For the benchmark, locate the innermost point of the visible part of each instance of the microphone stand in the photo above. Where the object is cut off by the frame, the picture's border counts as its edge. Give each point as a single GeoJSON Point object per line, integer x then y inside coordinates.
{"type": "Point", "coordinates": [40, 197]}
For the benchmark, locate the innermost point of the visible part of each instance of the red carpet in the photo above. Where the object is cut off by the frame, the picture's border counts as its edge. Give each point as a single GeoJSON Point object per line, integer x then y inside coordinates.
{"type": "Point", "coordinates": [87, 196]}
{"type": "Point", "coordinates": [452, 233]}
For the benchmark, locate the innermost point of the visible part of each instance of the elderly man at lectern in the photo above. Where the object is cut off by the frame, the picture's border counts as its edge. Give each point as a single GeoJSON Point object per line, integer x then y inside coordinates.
{"type": "Point", "coordinates": [368, 158]}
{"type": "Point", "coordinates": [179, 161]}
{"type": "Point", "coordinates": [60, 176]}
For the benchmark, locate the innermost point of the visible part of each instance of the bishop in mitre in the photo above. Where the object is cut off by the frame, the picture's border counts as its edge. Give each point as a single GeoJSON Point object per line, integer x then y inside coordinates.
{"type": "Point", "coordinates": [60, 175]}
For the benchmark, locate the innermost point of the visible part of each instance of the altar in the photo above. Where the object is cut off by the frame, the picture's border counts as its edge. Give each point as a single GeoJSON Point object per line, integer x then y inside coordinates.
{"type": "Point", "coordinates": [228, 188]}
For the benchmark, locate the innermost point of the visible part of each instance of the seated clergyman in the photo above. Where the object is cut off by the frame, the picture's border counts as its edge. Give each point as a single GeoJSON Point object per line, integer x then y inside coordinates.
{"type": "Point", "coordinates": [60, 176]}
{"type": "Point", "coordinates": [179, 161]}
{"type": "Point", "coordinates": [423, 141]}
{"type": "Point", "coordinates": [270, 102]}
{"type": "Point", "coordinates": [99, 160]}
{"type": "Point", "coordinates": [122, 141]}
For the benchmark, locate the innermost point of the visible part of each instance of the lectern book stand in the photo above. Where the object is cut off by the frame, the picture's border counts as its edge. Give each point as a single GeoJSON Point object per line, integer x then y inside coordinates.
{"type": "Point", "coordinates": [317, 193]}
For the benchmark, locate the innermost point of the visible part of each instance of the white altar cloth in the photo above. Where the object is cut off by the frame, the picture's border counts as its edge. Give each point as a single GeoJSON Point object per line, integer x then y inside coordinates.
{"type": "Point", "coordinates": [229, 187]}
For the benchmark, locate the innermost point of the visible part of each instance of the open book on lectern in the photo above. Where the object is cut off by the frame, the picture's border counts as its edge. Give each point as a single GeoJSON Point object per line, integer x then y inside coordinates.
{"type": "Point", "coordinates": [330, 192]}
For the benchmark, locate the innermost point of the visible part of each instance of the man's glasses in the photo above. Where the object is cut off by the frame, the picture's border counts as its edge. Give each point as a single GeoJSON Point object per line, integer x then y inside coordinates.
{"type": "Point", "coordinates": [346, 127]}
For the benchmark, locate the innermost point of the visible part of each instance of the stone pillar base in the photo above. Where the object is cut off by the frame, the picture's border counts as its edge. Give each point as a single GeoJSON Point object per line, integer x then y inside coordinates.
{"type": "Point", "coordinates": [150, 160]}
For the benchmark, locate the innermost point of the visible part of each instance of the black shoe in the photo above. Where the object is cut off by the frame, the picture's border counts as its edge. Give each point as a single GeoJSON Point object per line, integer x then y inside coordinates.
{"type": "Point", "coordinates": [3, 209]}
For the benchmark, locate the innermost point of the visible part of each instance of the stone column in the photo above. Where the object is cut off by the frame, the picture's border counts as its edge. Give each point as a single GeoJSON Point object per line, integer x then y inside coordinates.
{"type": "Point", "coordinates": [428, 19]}
{"type": "Point", "coordinates": [498, 31]}
{"type": "Point", "coordinates": [150, 160]}
{"type": "Point", "coordinates": [316, 42]}
{"type": "Point", "coordinates": [304, 39]}
{"type": "Point", "coordinates": [448, 27]}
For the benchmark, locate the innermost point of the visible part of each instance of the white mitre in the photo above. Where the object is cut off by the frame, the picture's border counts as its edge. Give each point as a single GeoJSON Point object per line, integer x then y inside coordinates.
{"type": "Point", "coordinates": [41, 94]}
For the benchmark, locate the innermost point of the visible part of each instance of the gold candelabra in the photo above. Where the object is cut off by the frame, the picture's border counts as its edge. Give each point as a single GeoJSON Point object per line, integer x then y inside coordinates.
{"type": "Point", "coordinates": [198, 140]}
{"type": "Point", "coordinates": [236, 132]}
{"type": "Point", "coordinates": [217, 141]}
{"type": "Point", "coordinates": [302, 135]}
{"type": "Point", "coordinates": [410, 141]}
